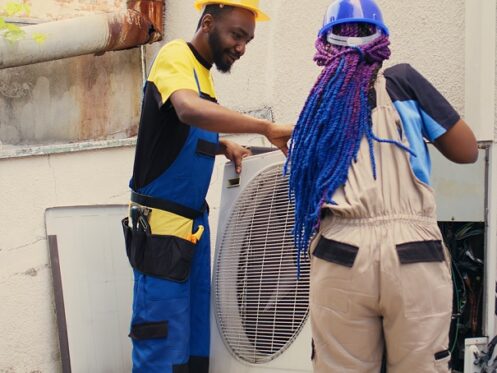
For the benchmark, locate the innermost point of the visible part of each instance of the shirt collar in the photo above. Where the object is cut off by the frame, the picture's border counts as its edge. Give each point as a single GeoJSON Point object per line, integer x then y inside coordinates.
{"type": "Point", "coordinates": [199, 58]}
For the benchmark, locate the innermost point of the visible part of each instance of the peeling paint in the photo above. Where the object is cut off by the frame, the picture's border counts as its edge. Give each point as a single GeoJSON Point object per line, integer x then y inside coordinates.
{"type": "Point", "coordinates": [154, 10]}
{"type": "Point", "coordinates": [129, 30]}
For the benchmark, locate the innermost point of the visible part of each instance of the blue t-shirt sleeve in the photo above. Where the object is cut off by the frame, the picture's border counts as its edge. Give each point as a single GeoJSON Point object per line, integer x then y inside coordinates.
{"type": "Point", "coordinates": [407, 84]}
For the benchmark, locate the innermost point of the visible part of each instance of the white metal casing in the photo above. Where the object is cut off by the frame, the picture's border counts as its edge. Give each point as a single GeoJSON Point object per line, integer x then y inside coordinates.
{"type": "Point", "coordinates": [473, 347]}
{"type": "Point", "coordinates": [297, 358]}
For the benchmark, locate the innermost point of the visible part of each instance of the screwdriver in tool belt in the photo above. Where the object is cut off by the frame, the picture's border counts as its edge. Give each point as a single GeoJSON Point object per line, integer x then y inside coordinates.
{"type": "Point", "coordinates": [134, 213]}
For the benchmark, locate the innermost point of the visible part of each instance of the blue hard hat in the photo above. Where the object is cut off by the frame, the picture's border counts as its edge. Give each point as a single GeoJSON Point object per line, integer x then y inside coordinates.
{"type": "Point", "coordinates": [346, 11]}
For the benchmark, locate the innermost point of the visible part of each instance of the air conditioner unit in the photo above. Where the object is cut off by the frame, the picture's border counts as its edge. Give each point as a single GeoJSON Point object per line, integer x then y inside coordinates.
{"type": "Point", "coordinates": [260, 307]}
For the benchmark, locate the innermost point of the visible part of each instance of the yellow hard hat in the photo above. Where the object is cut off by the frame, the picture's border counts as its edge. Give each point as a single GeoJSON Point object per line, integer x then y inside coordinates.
{"type": "Point", "coordinates": [252, 5]}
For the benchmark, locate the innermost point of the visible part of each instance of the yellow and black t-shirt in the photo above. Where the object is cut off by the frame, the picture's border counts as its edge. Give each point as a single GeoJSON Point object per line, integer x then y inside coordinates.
{"type": "Point", "coordinates": [161, 134]}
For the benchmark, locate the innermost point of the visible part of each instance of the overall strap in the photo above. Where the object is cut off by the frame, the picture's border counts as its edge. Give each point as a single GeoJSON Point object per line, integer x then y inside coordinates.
{"type": "Point", "coordinates": [197, 81]}
{"type": "Point", "coordinates": [162, 204]}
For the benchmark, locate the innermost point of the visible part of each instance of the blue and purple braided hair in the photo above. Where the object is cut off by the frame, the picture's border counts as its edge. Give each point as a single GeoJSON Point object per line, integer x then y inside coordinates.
{"type": "Point", "coordinates": [335, 118]}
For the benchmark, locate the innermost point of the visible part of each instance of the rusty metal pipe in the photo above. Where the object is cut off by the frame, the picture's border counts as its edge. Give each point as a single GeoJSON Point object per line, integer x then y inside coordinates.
{"type": "Point", "coordinates": [154, 9]}
{"type": "Point", "coordinates": [140, 24]}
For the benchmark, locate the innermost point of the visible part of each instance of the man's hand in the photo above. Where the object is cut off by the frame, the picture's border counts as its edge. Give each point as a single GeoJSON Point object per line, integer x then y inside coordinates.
{"type": "Point", "coordinates": [234, 153]}
{"type": "Point", "coordinates": [279, 134]}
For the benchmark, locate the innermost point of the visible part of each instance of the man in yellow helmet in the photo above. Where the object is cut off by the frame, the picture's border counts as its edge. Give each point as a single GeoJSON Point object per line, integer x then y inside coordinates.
{"type": "Point", "coordinates": [167, 231]}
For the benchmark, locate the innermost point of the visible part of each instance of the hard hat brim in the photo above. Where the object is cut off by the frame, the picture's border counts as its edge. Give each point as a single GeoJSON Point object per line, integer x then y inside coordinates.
{"type": "Point", "coordinates": [328, 27]}
{"type": "Point", "coordinates": [260, 16]}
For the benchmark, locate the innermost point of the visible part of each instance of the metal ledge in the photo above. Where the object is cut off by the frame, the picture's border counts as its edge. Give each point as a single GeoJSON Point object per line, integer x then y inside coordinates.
{"type": "Point", "coordinates": [20, 151]}
{"type": "Point", "coordinates": [31, 151]}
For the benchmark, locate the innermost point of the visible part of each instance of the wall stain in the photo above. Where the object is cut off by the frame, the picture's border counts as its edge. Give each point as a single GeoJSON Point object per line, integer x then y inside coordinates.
{"type": "Point", "coordinates": [15, 85]}
{"type": "Point", "coordinates": [31, 272]}
{"type": "Point", "coordinates": [15, 89]}
{"type": "Point", "coordinates": [78, 99]}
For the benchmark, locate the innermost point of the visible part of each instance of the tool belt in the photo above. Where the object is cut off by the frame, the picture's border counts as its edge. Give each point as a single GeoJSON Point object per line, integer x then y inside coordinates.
{"type": "Point", "coordinates": [159, 237]}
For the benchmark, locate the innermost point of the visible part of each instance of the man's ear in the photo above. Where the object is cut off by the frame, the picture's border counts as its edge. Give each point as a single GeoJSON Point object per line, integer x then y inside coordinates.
{"type": "Point", "coordinates": [207, 23]}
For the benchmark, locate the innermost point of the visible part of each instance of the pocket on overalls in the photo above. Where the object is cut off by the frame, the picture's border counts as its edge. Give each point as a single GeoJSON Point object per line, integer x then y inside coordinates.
{"type": "Point", "coordinates": [442, 361]}
{"type": "Point", "coordinates": [164, 256]}
{"type": "Point", "coordinates": [152, 330]}
{"type": "Point", "coordinates": [424, 278]}
{"type": "Point", "coordinates": [341, 256]}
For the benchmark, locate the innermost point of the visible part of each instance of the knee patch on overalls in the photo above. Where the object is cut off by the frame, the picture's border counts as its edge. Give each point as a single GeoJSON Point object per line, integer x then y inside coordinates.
{"type": "Point", "coordinates": [154, 330]}
{"type": "Point", "coordinates": [160, 243]}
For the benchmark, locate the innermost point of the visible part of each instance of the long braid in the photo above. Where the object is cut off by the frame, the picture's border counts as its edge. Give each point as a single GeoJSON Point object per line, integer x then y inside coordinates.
{"type": "Point", "coordinates": [335, 118]}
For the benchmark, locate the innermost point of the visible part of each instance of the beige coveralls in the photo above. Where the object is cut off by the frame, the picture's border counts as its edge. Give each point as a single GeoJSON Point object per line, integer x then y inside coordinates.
{"type": "Point", "coordinates": [379, 272]}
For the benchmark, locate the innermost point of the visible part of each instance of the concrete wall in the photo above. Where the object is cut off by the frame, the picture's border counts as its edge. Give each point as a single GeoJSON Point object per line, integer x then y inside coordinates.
{"type": "Point", "coordinates": [432, 41]}
{"type": "Point", "coordinates": [278, 69]}
{"type": "Point", "coordinates": [29, 341]}
{"type": "Point", "coordinates": [277, 72]}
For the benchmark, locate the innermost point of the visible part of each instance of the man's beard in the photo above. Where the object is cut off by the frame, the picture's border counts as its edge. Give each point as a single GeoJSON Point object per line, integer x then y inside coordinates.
{"type": "Point", "coordinates": [218, 53]}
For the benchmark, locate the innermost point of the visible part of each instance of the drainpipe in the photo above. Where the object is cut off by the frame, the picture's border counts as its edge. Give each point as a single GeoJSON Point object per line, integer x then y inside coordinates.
{"type": "Point", "coordinates": [141, 23]}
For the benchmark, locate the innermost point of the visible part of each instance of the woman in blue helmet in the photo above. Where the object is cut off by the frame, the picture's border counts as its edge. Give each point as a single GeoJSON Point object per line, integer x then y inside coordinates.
{"type": "Point", "coordinates": [360, 174]}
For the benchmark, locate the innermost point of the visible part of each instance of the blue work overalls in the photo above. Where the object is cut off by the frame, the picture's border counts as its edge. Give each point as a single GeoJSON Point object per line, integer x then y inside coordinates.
{"type": "Point", "coordinates": [183, 305]}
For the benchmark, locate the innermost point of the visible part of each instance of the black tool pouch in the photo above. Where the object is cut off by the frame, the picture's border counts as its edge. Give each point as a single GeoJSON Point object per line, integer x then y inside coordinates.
{"type": "Point", "coordinates": [166, 257]}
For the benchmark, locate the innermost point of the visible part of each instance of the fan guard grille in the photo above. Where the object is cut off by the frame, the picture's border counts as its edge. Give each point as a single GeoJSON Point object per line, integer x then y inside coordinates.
{"type": "Point", "coordinates": [261, 305]}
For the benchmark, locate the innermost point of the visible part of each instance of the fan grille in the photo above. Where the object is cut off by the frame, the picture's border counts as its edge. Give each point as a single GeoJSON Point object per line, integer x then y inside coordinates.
{"type": "Point", "coordinates": [261, 305]}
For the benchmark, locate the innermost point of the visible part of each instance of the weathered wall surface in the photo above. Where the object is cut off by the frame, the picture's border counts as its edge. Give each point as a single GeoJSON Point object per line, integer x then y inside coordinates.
{"type": "Point", "coordinates": [58, 100]}
{"type": "Point", "coordinates": [76, 99]}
